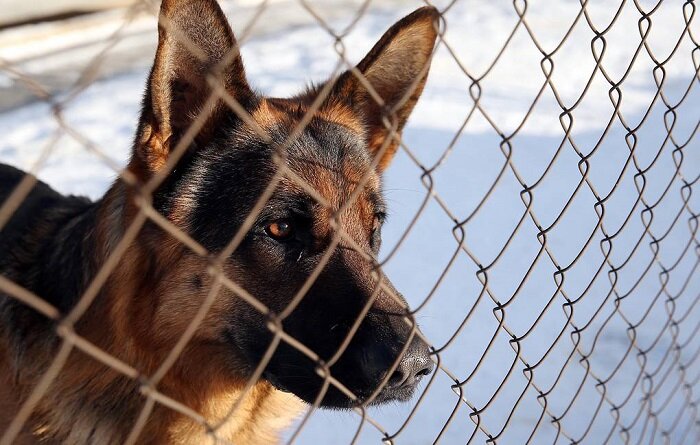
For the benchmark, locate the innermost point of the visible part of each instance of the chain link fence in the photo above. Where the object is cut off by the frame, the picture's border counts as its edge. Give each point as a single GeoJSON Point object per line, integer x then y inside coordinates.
{"type": "Point", "coordinates": [563, 306]}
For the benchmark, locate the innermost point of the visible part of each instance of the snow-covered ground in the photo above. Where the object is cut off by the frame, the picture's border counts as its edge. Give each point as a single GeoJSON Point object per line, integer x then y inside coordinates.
{"type": "Point", "coordinates": [649, 369]}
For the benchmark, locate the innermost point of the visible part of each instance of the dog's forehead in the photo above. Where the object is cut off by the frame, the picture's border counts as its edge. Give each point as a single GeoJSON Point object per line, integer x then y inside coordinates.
{"type": "Point", "coordinates": [334, 187]}
{"type": "Point", "coordinates": [329, 155]}
{"type": "Point", "coordinates": [334, 162]}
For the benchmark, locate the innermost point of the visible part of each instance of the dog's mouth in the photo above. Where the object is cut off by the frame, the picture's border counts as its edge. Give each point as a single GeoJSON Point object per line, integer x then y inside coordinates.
{"type": "Point", "coordinates": [360, 372]}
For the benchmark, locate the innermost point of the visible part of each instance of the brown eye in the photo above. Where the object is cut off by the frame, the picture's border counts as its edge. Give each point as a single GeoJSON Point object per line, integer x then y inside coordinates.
{"type": "Point", "coordinates": [280, 230]}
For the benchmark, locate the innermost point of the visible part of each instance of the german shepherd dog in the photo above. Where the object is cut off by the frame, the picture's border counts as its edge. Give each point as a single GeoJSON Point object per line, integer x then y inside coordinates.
{"type": "Point", "coordinates": [53, 246]}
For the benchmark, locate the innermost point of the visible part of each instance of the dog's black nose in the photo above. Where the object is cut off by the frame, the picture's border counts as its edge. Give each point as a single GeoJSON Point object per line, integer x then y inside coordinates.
{"type": "Point", "coordinates": [414, 365]}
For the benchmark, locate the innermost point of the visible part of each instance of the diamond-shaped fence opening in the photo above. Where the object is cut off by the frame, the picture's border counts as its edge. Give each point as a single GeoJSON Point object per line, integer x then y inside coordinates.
{"type": "Point", "coordinates": [543, 219]}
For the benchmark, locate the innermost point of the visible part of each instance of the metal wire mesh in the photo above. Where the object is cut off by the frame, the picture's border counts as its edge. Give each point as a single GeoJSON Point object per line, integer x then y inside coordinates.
{"type": "Point", "coordinates": [660, 404]}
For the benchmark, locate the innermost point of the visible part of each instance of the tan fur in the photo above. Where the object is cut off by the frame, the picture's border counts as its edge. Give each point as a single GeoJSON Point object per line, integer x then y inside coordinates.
{"type": "Point", "coordinates": [342, 115]}
{"type": "Point", "coordinates": [267, 115]}
{"type": "Point", "coordinates": [271, 112]}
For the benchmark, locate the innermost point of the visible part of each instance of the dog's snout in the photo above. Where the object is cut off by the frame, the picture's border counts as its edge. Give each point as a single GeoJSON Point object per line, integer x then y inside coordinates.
{"type": "Point", "coordinates": [414, 365]}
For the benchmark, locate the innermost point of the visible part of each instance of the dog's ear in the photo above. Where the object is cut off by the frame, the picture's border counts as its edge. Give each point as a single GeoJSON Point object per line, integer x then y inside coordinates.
{"type": "Point", "coordinates": [396, 68]}
{"type": "Point", "coordinates": [195, 47]}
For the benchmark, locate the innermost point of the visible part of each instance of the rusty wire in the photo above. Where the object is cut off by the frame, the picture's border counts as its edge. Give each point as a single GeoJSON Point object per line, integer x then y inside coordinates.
{"type": "Point", "coordinates": [642, 397]}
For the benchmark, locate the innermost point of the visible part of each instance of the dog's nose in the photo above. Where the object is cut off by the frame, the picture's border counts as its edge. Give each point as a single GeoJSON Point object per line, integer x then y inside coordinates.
{"type": "Point", "coordinates": [414, 365]}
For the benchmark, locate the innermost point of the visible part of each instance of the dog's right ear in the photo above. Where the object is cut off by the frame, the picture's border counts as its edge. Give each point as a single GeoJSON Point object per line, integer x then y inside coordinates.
{"type": "Point", "coordinates": [195, 47]}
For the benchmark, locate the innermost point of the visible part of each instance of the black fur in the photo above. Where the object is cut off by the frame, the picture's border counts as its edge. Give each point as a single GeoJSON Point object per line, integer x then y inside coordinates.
{"type": "Point", "coordinates": [45, 246]}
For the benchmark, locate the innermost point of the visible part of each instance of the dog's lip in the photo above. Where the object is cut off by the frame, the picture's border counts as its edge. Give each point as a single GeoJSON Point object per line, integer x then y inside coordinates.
{"type": "Point", "coordinates": [274, 381]}
{"type": "Point", "coordinates": [402, 394]}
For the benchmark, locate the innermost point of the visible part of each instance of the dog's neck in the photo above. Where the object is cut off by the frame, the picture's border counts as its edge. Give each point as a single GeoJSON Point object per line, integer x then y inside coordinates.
{"type": "Point", "coordinates": [52, 259]}
{"type": "Point", "coordinates": [88, 399]}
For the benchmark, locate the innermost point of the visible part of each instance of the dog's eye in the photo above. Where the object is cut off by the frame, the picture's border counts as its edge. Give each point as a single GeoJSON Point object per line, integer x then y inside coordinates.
{"type": "Point", "coordinates": [374, 235]}
{"type": "Point", "coordinates": [376, 224]}
{"type": "Point", "coordinates": [378, 221]}
{"type": "Point", "coordinates": [280, 230]}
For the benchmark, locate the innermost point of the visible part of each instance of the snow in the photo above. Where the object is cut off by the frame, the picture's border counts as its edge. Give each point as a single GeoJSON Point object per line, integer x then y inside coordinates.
{"type": "Point", "coordinates": [665, 262]}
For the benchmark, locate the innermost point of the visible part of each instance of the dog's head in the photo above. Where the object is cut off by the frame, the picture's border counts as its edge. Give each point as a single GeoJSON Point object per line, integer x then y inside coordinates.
{"type": "Point", "coordinates": [308, 248]}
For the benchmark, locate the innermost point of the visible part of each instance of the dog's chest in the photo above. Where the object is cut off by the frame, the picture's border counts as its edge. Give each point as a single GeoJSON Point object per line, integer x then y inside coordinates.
{"type": "Point", "coordinates": [259, 419]}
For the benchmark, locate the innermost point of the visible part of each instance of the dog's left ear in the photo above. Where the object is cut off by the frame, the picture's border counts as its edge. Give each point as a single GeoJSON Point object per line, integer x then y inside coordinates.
{"type": "Point", "coordinates": [396, 68]}
{"type": "Point", "coordinates": [195, 46]}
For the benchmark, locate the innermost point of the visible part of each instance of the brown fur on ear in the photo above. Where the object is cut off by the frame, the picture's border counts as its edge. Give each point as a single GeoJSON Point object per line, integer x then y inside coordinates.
{"type": "Point", "coordinates": [195, 42]}
{"type": "Point", "coordinates": [396, 68]}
